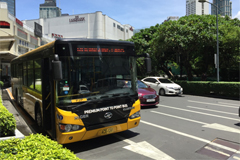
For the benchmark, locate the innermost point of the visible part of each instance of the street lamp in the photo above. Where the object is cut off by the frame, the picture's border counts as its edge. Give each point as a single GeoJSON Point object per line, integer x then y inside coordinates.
{"type": "Point", "coordinates": [202, 1]}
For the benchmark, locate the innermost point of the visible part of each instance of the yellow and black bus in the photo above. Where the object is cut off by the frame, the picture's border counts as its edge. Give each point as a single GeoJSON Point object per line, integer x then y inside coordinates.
{"type": "Point", "coordinates": [74, 88]}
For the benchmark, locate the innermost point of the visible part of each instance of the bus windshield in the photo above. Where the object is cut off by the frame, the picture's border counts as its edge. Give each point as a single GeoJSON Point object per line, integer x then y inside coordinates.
{"type": "Point", "coordinates": [96, 77]}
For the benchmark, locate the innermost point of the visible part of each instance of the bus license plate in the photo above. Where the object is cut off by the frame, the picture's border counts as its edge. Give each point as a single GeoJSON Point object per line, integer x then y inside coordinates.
{"type": "Point", "coordinates": [107, 131]}
{"type": "Point", "coordinates": [150, 100]}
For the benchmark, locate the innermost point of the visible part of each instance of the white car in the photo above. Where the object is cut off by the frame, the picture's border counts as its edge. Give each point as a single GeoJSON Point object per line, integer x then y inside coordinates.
{"type": "Point", "coordinates": [163, 86]}
{"type": "Point", "coordinates": [83, 89]}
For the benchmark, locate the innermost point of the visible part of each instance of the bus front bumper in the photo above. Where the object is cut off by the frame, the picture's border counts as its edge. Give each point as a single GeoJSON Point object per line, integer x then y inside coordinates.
{"type": "Point", "coordinates": [81, 135]}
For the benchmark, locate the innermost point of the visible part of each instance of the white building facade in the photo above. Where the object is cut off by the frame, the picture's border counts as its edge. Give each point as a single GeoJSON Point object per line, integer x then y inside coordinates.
{"type": "Point", "coordinates": [195, 7]}
{"type": "Point", "coordinates": [91, 25]}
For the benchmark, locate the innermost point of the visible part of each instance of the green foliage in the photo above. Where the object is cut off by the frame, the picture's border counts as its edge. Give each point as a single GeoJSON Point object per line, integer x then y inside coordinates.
{"type": "Point", "coordinates": [142, 41]}
{"type": "Point", "coordinates": [1, 84]}
{"type": "Point", "coordinates": [7, 122]}
{"type": "Point", "coordinates": [227, 89]}
{"type": "Point", "coordinates": [190, 42]}
{"type": "Point", "coordinates": [35, 146]}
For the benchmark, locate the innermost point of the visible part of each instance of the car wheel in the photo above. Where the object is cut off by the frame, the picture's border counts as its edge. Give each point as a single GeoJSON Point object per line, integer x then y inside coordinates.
{"type": "Point", "coordinates": [162, 92]}
{"type": "Point", "coordinates": [38, 117]}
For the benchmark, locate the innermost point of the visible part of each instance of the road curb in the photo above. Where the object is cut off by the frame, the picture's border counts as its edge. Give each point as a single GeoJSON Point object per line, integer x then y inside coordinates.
{"type": "Point", "coordinates": [18, 134]}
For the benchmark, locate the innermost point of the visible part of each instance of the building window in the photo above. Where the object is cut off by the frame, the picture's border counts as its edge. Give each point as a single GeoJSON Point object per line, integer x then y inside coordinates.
{"type": "Point", "coordinates": [22, 50]}
{"type": "Point", "coordinates": [114, 24]}
{"type": "Point", "coordinates": [33, 40]}
{"type": "Point", "coordinates": [21, 34]}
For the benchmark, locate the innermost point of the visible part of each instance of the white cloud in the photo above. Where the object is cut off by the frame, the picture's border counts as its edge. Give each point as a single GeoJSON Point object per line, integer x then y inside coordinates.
{"type": "Point", "coordinates": [238, 15]}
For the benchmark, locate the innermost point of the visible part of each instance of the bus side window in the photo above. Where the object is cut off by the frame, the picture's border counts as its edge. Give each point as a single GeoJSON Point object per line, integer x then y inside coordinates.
{"type": "Point", "coordinates": [24, 73]}
{"type": "Point", "coordinates": [30, 77]}
{"type": "Point", "coordinates": [37, 75]}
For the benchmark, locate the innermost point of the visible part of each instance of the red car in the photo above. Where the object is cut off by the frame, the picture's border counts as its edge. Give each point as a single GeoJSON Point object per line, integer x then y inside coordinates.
{"type": "Point", "coordinates": [147, 95]}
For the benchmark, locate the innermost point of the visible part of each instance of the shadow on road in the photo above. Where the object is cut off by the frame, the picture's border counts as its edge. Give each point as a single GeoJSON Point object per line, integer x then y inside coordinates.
{"type": "Point", "coordinates": [99, 142]}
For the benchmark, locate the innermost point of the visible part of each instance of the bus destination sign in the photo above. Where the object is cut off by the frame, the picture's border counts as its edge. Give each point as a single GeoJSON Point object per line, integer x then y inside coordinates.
{"type": "Point", "coordinates": [103, 50]}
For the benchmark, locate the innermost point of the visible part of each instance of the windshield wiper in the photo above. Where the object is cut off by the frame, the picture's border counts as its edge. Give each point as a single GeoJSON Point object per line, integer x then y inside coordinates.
{"type": "Point", "coordinates": [74, 109]}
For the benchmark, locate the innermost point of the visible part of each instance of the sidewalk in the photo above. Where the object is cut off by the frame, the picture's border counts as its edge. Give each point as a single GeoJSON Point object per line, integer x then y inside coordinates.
{"type": "Point", "coordinates": [7, 99]}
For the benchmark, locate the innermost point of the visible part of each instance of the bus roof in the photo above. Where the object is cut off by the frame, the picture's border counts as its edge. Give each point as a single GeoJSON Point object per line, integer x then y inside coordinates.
{"type": "Point", "coordinates": [105, 41]}
{"type": "Point", "coordinates": [48, 45]}
{"type": "Point", "coordinates": [74, 40]}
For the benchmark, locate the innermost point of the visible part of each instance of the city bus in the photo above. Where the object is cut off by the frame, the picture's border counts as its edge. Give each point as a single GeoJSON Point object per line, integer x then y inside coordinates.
{"type": "Point", "coordinates": [74, 88]}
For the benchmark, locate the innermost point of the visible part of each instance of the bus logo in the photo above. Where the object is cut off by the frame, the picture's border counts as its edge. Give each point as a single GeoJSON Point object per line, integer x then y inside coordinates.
{"type": "Point", "coordinates": [108, 115]}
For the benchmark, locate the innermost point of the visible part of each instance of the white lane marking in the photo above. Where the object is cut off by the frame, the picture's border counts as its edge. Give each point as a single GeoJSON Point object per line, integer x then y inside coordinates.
{"type": "Point", "coordinates": [221, 127]}
{"type": "Point", "coordinates": [206, 125]}
{"type": "Point", "coordinates": [146, 149]}
{"type": "Point", "coordinates": [217, 151]}
{"type": "Point", "coordinates": [180, 117]}
{"type": "Point", "coordinates": [191, 136]}
{"type": "Point", "coordinates": [231, 104]}
{"type": "Point", "coordinates": [213, 115]}
{"type": "Point", "coordinates": [235, 157]}
{"type": "Point", "coordinates": [212, 110]}
{"type": "Point", "coordinates": [213, 104]}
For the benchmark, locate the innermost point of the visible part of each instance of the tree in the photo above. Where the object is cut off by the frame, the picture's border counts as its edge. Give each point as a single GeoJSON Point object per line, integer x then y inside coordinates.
{"type": "Point", "coordinates": [142, 41]}
{"type": "Point", "coordinates": [191, 42]}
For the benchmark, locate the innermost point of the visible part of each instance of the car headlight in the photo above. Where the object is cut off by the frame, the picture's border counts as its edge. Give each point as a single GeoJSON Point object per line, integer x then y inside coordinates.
{"type": "Point", "coordinates": [69, 127]}
{"type": "Point", "coordinates": [135, 115]}
{"type": "Point", "coordinates": [139, 94]}
{"type": "Point", "coordinates": [170, 87]}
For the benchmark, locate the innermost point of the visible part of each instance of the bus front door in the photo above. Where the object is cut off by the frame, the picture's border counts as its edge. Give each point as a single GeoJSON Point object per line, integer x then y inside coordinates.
{"type": "Point", "coordinates": [46, 94]}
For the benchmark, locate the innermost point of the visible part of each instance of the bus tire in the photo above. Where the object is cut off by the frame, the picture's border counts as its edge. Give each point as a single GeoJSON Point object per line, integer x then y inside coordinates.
{"type": "Point", "coordinates": [38, 117]}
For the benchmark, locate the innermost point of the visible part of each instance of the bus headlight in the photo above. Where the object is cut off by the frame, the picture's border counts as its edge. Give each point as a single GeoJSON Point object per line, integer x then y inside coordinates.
{"type": "Point", "coordinates": [69, 127]}
{"type": "Point", "coordinates": [135, 115]}
{"type": "Point", "coordinates": [75, 127]}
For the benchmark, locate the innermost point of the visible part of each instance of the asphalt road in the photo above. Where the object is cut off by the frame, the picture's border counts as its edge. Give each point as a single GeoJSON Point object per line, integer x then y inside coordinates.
{"type": "Point", "coordinates": [186, 127]}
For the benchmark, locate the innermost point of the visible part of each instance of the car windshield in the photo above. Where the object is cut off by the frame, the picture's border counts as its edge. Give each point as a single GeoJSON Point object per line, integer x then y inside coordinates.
{"type": "Point", "coordinates": [164, 80]}
{"type": "Point", "coordinates": [141, 84]}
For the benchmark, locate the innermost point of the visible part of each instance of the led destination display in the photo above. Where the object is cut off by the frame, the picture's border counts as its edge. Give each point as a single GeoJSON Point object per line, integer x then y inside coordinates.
{"type": "Point", "coordinates": [103, 50]}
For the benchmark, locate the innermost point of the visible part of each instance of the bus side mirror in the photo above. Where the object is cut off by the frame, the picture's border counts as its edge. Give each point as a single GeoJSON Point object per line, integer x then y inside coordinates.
{"type": "Point", "coordinates": [148, 64]}
{"type": "Point", "coordinates": [57, 69]}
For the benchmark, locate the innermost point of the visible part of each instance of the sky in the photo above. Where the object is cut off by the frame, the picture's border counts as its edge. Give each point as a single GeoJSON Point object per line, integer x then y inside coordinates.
{"type": "Point", "coordinates": [137, 13]}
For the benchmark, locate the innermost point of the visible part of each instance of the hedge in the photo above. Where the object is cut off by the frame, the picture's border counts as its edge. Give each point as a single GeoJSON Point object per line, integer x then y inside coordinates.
{"type": "Point", "coordinates": [7, 122]}
{"type": "Point", "coordinates": [226, 89]}
{"type": "Point", "coordinates": [34, 146]}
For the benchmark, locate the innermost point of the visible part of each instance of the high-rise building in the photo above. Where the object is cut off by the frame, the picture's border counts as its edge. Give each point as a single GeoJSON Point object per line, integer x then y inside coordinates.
{"type": "Point", "coordinates": [11, 6]}
{"type": "Point", "coordinates": [224, 7]}
{"type": "Point", "coordinates": [49, 9]}
{"type": "Point", "coordinates": [195, 7]}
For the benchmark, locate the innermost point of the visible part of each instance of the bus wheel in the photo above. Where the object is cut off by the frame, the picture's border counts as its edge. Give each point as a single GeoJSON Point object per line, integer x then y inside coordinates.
{"type": "Point", "coordinates": [38, 117]}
